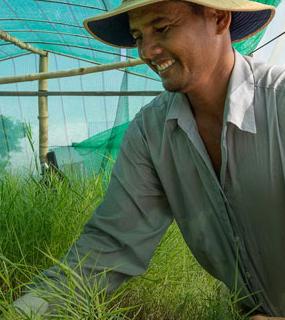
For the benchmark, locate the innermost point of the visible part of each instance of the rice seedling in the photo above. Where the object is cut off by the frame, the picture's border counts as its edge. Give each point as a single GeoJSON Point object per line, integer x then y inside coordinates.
{"type": "Point", "coordinates": [39, 220]}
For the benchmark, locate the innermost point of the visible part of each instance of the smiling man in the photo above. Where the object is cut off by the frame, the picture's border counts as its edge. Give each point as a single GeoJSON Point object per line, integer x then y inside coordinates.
{"type": "Point", "coordinates": [209, 152]}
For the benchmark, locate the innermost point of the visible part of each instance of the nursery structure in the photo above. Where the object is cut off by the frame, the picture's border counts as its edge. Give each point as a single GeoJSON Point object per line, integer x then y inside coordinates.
{"type": "Point", "coordinates": [54, 27]}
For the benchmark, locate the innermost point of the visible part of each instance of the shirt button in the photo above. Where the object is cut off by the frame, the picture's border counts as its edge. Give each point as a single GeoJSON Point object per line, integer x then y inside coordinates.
{"type": "Point", "coordinates": [247, 274]}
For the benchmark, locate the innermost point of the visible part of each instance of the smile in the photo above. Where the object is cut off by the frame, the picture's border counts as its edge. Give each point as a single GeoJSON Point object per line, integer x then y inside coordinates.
{"type": "Point", "coordinates": [164, 66]}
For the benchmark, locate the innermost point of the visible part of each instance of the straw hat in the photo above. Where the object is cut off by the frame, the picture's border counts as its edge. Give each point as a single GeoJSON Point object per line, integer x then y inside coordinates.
{"type": "Point", "coordinates": [248, 18]}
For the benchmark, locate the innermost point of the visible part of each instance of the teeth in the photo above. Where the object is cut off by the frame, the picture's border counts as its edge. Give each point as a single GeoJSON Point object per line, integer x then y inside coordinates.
{"type": "Point", "coordinates": [165, 65]}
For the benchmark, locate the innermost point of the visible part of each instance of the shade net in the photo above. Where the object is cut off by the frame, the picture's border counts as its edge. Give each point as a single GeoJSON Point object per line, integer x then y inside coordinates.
{"type": "Point", "coordinates": [56, 26]}
{"type": "Point", "coordinates": [98, 153]}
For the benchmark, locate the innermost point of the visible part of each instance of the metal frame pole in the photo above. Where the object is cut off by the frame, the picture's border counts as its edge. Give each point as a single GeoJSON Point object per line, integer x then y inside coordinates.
{"type": "Point", "coordinates": [79, 93]}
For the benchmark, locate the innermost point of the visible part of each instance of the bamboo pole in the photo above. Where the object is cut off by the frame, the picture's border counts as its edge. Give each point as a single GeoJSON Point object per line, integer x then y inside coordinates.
{"type": "Point", "coordinates": [72, 72]}
{"type": "Point", "coordinates": [92, 61]}
{"type": "Point", "coordinates": [43, 114]}
{"type": "Point", "coordinates": [7, 37]}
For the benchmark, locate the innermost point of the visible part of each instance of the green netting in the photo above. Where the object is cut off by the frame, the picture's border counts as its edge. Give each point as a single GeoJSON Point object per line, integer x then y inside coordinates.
{"type": "Point", "coordinates": [97, 151]}
{"type": "Point", "coordinates": [105, 146]}
{"type": "Point", "coordinates": [56, 26]}
{"type": "Point", "coordinates": [97, 154]}
{"type": "Point", "coordinates": [94, 155]}
{"type": "Point", "coordinates": [247, 46]}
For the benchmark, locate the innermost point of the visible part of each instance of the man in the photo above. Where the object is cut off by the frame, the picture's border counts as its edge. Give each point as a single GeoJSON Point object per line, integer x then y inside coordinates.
{"type": "Point", "coordinates": [208, 152]}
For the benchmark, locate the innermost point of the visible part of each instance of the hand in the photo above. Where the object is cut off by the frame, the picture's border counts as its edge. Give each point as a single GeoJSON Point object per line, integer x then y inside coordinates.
{"type": "Point", "coordinates": [261, 317]}
{"type": "Point", "coordinates": [30, 304]}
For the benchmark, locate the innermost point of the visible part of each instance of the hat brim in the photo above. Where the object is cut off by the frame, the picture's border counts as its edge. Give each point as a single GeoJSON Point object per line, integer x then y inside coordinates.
{"type": "Point", "coordinates": [112, 28]}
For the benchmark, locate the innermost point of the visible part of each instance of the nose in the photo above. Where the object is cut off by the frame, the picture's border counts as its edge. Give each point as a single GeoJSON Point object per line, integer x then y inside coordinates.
{"type": "Point", "coordinates": [149, 48]}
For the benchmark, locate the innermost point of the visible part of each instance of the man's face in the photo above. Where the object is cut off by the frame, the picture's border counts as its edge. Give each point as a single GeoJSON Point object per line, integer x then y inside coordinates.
{"type": "Point", "coordinates": [176, 43]}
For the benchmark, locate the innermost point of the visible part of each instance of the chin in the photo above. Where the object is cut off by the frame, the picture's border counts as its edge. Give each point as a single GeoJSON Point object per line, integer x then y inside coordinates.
{"type": "Point", "coordinates": [171, 87]}
{"type": "Point", "coordinates": [176, 86]}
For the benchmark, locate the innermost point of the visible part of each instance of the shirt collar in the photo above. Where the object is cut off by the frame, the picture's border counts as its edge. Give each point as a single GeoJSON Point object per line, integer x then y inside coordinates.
{"type": "Point", "coordinates": [239, 108]}
{"type": "Point", "coordinates": [179, 108]}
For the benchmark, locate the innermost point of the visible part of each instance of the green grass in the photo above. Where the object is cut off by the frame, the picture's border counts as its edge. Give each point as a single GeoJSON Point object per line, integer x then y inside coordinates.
{"type": "Point", "coordinates": [38, 223]}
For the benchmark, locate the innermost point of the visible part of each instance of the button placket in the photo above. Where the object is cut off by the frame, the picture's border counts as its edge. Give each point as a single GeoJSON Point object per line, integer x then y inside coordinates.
{"type": "Point", "coordinates": [224, 155]}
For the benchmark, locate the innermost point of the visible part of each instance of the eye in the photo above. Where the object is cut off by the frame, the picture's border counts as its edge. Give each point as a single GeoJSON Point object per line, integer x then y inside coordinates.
{"type": "Point", "coordinates": [162, 29]}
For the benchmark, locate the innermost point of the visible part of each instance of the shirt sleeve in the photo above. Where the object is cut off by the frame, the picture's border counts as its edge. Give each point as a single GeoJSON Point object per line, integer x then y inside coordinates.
{"type": "Point", "coordinates": [125, 229]}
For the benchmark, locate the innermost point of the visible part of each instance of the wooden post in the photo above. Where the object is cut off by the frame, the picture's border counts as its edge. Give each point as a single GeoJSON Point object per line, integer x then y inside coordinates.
{"type": "Point", "coordinates": [43, 114]}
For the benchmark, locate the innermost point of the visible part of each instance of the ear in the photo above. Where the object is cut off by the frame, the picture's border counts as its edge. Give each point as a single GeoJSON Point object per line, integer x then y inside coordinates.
{"type": "Point", "coordinates": [223, 21]}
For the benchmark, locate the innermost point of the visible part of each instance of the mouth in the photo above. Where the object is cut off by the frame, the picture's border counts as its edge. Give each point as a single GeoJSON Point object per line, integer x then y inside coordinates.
{"type": "Point", "coordinates": [163, 67]}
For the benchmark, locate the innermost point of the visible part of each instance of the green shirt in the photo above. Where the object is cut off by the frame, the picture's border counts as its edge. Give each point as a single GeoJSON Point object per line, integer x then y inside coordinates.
{"type": "Point", "coordinates": [163, 172]}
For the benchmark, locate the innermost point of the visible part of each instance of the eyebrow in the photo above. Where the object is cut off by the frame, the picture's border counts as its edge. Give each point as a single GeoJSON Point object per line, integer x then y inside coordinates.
{"type": "Point", "coordinates": [154, 21]}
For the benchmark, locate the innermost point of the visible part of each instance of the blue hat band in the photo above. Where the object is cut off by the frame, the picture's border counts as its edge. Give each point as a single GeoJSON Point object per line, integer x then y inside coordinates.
{"type": "Point", "coordinates": [115, 30]}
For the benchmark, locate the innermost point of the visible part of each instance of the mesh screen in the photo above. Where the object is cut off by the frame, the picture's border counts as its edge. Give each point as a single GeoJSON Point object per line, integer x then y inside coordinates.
{"type": "Point", "coordinates": [56, 26]}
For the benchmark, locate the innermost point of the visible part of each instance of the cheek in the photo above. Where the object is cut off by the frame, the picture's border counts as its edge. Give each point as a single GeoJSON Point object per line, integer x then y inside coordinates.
{"type": "Point", "coordinates": [194, 55]}
{"type": "Point", "coordinates": [187, 55]}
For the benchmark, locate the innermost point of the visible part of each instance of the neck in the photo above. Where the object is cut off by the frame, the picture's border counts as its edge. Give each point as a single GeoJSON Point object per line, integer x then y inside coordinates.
{"type": "Point", "coordinates": [208, 98]}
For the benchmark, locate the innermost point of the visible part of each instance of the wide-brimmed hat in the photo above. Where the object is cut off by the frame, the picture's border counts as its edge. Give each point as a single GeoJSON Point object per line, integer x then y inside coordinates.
{"type": "Point", "coordinates": [248, 17]}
